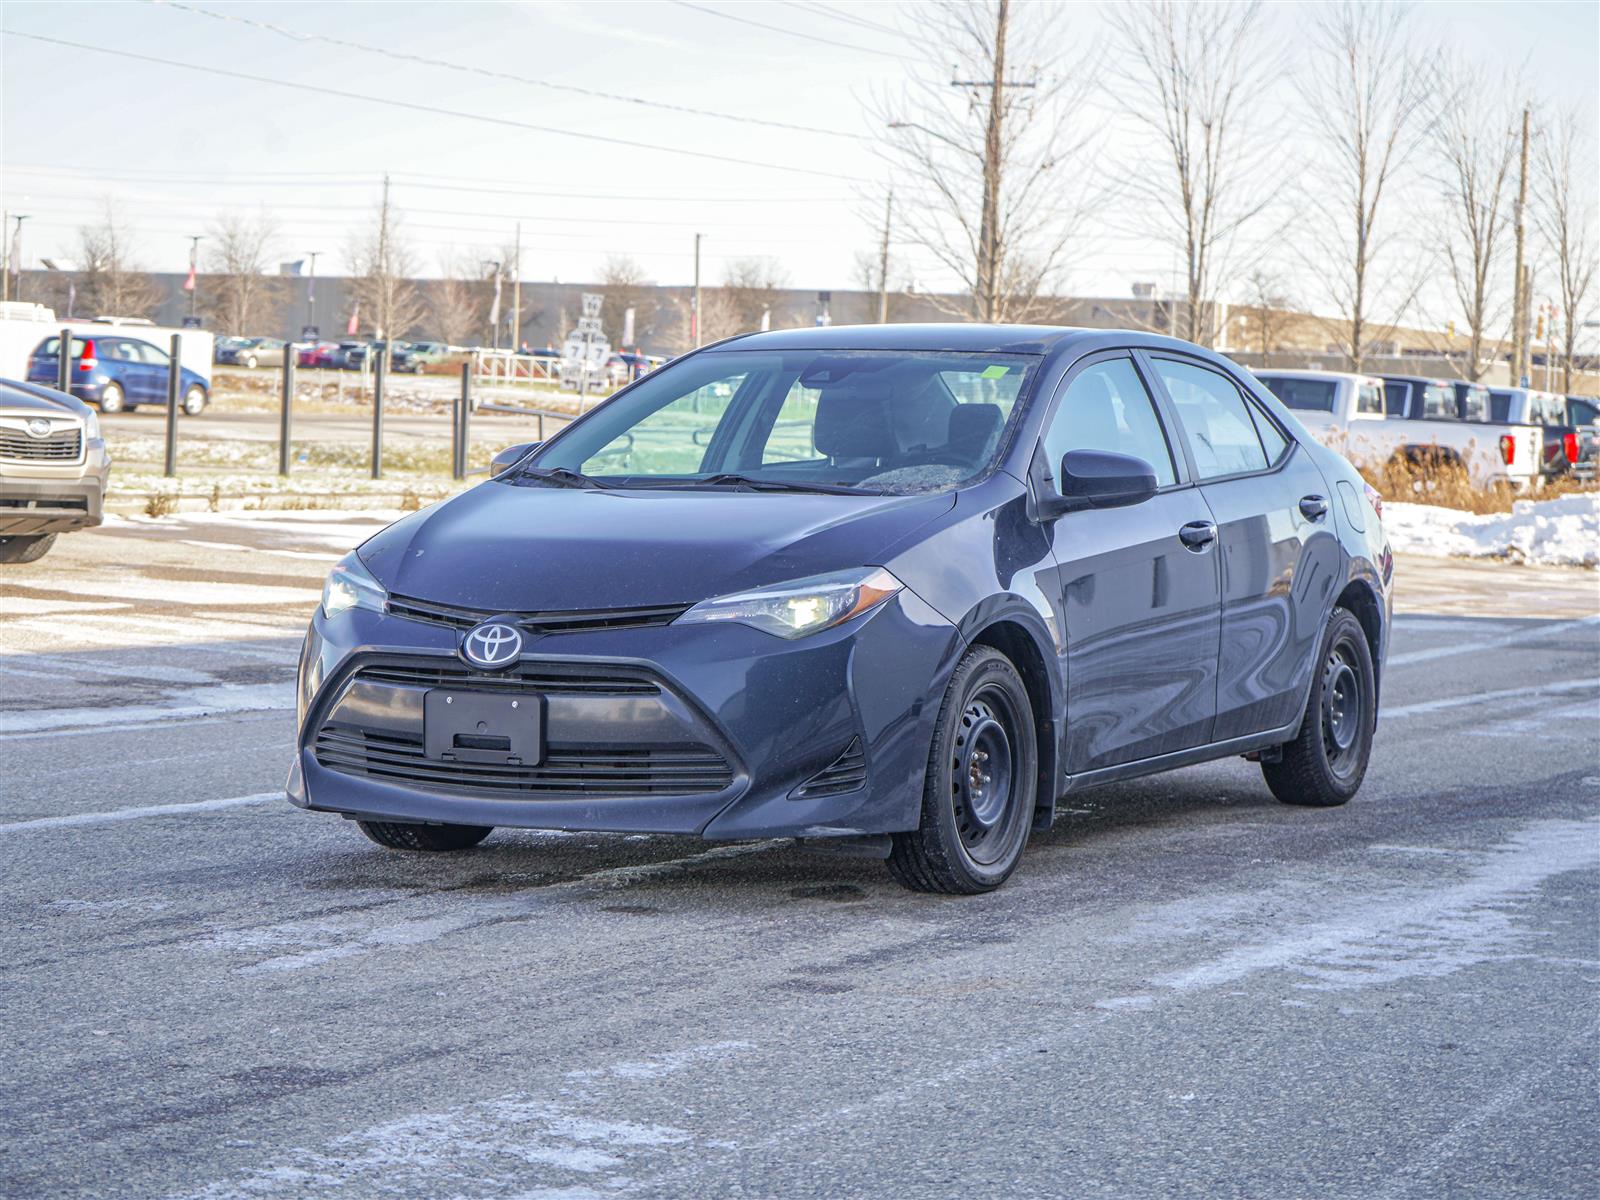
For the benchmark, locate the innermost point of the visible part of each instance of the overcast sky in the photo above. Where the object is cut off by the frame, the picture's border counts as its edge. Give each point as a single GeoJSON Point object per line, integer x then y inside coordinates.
{"type": "Point", "coordinates": [174, 147]}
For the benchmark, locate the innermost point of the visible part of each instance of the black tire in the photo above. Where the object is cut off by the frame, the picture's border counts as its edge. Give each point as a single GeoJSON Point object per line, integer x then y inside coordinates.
{"type": "Point", "coordinates": [974, 827]}
{"type": "Point", "coordinates": [1326, 762]}
{"type": "Point", "coordinates": [194, 401]}
{"type": "Point", "coordinates": [25, 549]}
{"type": "Point", "coordinates": [397, 835]}
{"type": "Point", "coordinates": [112, 398]}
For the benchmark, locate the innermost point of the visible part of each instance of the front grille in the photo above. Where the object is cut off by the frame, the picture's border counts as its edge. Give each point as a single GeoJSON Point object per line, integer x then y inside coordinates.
{"type": "Point", "coordinates": [566, 770]}
{"type": "Point", "coordinates": [538, 622]}
{"type": "Point", "coordinates": [844, 774]}
{"type": "Point", "coordinates": [64, 446]}
{"type": "Point", "coordinates": [543, 678]}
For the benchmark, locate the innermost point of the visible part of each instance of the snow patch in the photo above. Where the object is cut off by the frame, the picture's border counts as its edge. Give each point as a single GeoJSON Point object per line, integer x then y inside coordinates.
{"type": "Point", "coordinates": [1560, 532]}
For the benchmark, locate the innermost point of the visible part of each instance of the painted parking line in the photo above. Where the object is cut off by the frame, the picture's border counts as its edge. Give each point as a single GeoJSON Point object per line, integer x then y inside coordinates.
{"type": "Point", "coordinates": [1447, 702]}
{"type": "Point", "coordinates": [1510, 639]}
{"type": "Point", "coordinates": [135, 814]}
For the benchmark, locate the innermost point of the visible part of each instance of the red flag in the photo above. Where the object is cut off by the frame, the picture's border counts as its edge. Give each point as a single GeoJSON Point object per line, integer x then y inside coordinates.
{"type": "Point", "coordinates": [188, 284]}
{"type": "Point", "coordinates": [355, 320]}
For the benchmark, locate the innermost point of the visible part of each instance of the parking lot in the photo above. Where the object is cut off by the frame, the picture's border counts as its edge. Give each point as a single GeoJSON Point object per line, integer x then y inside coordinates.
{"type": "Point", "coordinates": [1186, 989]}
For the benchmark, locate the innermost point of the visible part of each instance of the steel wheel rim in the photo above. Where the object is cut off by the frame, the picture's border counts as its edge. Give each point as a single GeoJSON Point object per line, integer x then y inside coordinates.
{"type": "Point", "coordinates": [1343, 707]}
{"type": "Point", "coordinates": [983, 776]}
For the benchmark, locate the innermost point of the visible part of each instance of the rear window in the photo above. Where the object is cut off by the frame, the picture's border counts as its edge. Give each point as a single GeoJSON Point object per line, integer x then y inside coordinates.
{"type": "Point", "coordinates": [1547, 410]}
{"type": "Point", "coordinates": [1439, 402]}
{"type": "Point", "coordinates": [51, 347]}
{"type": "Point", "coordinates": [1308, 395]}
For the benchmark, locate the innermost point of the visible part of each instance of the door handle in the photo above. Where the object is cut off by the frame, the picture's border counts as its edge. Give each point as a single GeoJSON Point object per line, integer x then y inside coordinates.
{"type": "Point", "coordinates": [1197, 535]}
{"type": "Point", "coordinates": [1314, 507]}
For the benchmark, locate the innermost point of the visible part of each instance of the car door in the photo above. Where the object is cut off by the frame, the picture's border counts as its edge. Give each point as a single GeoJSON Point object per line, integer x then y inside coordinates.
{"type": "Point", "coordinates": [1140, 604]}
{"type": "Point", "coordinates": [1279, 554]}
{"type": "Point", "coordinates": [123, 364]}
{"type": "Point", "coordinates": [154, 364]}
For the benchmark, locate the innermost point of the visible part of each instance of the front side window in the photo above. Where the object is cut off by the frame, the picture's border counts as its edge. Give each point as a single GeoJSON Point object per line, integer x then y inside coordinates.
{"type": "Point", "coordinates": [875, 421]}
{"type": "Point", "coordinates": [1218, 427]}
{"type": "Point", "coordinates": [1369, 399]}
{"type": "Point", "coordinates": [1107, 408]}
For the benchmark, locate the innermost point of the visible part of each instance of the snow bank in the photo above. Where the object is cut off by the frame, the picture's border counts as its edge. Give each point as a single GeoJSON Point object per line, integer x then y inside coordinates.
{"type": "Point", "coordinates": [1560, 532]}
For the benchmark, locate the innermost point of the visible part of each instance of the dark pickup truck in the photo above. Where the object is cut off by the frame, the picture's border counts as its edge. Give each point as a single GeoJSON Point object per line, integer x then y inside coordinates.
{"type": "Point", "coordinates": [53, 468]}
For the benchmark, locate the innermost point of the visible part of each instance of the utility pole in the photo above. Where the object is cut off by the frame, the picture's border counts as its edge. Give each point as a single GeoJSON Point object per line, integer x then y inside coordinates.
{"type": "Point", "coordinates": [13, 254]}
{"type": "Point", "coordinates": [883, 261]}
{"type": "Point", "coordinates": [694, 317]}
{"type": "Point", "coordinates": [311, 291]}
{"type": "Point", "coordinates": [1520, 357]}
{"type": "Point", "coordinates": [987, 298]}
{"type": "Point", "coordinates": [385, 285]}
{"type": "Point", "coordinates": [516, 295]}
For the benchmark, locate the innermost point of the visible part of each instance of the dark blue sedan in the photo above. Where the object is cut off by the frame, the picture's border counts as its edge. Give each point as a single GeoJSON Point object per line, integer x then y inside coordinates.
{"type": "Point", "coordinates": [115, 371]}
{"type": "Point", "coordinates": [899, 586]}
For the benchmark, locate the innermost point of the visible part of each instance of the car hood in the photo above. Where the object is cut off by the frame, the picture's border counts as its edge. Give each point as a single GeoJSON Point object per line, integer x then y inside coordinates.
{"type": "Point", "coordinates": [532, 548]}
{"type": "Point", "coordinates": [29, 398]}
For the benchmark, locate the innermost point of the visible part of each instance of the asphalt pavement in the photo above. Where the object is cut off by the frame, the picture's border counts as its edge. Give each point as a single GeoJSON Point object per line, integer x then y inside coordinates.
{"type": "Point", "coordinates": [1187, 989]}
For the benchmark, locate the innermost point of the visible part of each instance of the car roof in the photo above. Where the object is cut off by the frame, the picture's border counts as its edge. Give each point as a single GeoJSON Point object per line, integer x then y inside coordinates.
{"type": "Point", "coordinates": [954, 336]}
{"type": "Point", "coordinates": [1416, 379]}
{"type": "Point", "coordinates": [1309, 373]}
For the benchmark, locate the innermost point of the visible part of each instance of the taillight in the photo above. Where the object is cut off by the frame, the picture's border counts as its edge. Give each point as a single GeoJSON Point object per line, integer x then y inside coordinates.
{"type": "Point", "coordinates": [1569, 443]}
{"type": "Point", "coordinates": [1375, 499]}
{"type": "Point", "coordinates": [1508, 449]}
{"type": "Point", "coordinates": [86, 359]}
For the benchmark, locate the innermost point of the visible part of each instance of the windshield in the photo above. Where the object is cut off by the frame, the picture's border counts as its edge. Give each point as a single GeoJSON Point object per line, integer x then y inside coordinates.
{"type": "Point", "coordinates": [873, 420]}
{"type": "Point", "coordinates": [1308, 395]}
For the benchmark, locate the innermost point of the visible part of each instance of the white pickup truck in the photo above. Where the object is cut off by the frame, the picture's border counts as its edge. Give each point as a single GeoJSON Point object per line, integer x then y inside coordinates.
{"type": "Point", "coordinates": [1348, 413]}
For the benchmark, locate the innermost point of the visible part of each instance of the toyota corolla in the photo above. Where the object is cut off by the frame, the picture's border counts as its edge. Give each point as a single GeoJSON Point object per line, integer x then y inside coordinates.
{"type": "Point", "coordinates": [901, 587]}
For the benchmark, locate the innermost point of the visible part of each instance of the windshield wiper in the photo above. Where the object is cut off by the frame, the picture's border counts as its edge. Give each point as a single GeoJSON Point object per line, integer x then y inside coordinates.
{"type": "Point", "coordinates": [562, 477]}
{"type": "Point", "coordinates": [733, 479]}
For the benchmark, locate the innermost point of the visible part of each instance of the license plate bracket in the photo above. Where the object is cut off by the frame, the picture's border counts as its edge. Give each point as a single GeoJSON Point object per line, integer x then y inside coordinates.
{"type": "Point", "coordinates": [482, 727]}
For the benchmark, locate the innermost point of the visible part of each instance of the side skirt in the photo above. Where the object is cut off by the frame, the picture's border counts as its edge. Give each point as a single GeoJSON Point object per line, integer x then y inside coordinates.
{"type": "Point", "coordinates": [1181, 758]}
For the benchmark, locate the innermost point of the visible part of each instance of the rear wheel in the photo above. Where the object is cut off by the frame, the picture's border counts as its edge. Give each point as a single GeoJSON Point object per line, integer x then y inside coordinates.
{"type": "Point", "coordinates": [1325, 764]}
{"type": "Point", "coordinates": [398, 835]}
{"type": "Point", "coordinates": [25, 549]}
{"type": "Point", "coordinates": [111, 398]}
{"type": "Point", "coordinates": [978, 796]}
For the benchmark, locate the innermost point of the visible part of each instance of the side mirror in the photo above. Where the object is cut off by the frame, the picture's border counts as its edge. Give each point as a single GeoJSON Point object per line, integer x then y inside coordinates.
{"type": "Point", "coordinates": [508, 456]}
{"type": "Point", "coordinates": [1103, 479]}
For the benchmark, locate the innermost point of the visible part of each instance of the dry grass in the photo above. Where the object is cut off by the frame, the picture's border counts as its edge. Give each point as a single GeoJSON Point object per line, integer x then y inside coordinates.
{"type": "Point", "coordinates": [1447, 485]}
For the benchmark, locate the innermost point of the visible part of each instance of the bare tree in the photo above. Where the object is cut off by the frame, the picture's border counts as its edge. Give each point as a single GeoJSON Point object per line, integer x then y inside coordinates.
{"type": "Point", "coordinates": [1271, 317]}
{"type": "Point", "coordinates": [241, 296]}
{"type": "Point", "coordinates": [993, 157]}
{"type": "Point", "coordinates": [623, 281]}
{"type": "Point", "coordinates": [1363, 95]}
{"type": "Point", "coordinates": [1565, 219]}
{"type": "Point", "coordinates": [1194, 72]}
{"type": "Point", "coordinates": [1477, 150]}
{"type": "Point", "coordinates": [381, 268]}
{"type": "Point", "coordinates": [108, 281]}
{"type": "Point", "coordinates": [458, 301]}
{"type": "Point", "coordinates": [750, 288]}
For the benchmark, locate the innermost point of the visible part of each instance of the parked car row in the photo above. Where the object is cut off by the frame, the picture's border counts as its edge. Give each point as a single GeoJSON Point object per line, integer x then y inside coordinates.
{"type": "Point", "coordinates": [116, 372]}
{"type": "Point", "coordinates": [1512, 436]}
{"type": "Point", "coordinates": [250, 351]}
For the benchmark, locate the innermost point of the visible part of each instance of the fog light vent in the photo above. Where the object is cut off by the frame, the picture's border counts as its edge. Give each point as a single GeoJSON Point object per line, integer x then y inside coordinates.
{"type": "Point", "coordinates": [846, 773]}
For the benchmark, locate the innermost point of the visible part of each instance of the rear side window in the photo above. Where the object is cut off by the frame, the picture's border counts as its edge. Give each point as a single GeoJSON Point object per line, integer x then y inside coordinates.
{"type": "Point", "coordinates": [1216, 423]}
{"type": "Point", "coordinates": [1499, 406]}
{"type": "Point", "coordinates": [1107, 408]}
{"type": "Point", "coordinates": [1395, 398]}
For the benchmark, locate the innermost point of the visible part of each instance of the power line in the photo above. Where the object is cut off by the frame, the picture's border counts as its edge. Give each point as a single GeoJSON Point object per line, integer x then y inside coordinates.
{"type": "Point", "coordinates": [401, 56]}
{"type": "Point", "coordinates": [414, 106]}
{"type": "Point", "coordinates": [826, 10]}
{"type": "Point", "coordinates": [810, 37]}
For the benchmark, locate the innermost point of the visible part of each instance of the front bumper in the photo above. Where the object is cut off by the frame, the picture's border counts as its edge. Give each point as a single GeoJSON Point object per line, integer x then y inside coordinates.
{"type": "Point", "coordinates": [40, 505]}
{"type": "Point", "coordinates": [719, 731]}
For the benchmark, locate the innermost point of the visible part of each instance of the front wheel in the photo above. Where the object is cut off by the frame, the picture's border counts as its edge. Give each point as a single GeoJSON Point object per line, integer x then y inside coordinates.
{"type": "Point", "coordinates": [251, 362]}
{"type": "Point", "coordinates": [1327, 760]}
{"type": "Point", "coordinates": [194, 401]}
{"type": "Point", "coordinates": [25, 549]}
{"type": "Point", "coordinates": [983, 776]}
{"type": "Point", "coordinates": [398, 835]}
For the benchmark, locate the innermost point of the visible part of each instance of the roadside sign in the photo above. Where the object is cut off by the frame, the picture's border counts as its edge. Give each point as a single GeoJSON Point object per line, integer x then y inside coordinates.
{"type": "Point", "coordinates": [310, 333]}
{"type": "Point", "coordinates": [191, 323]}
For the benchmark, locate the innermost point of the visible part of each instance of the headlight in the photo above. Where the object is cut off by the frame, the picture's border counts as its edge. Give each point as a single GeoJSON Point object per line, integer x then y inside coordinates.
{"type": "Point", "coordinates": [349, 585]}
{"type": "Point", "coordinates": [91, 431]}
{"type": "Point", "coordinates": [804, 606]}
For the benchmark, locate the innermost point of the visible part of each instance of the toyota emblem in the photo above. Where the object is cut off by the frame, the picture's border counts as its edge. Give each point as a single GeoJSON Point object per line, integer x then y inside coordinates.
{"type": "Point", "coordinates": [492, 645]}
{"type": "Point", "coordinates": [38, 427]}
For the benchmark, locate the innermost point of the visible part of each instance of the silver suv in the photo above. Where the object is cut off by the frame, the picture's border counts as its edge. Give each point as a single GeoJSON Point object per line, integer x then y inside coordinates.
{"type": "Point", "coordinates": [53, 469]}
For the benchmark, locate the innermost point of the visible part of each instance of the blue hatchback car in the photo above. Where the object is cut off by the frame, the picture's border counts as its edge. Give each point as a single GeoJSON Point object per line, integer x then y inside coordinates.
{"type": "Point", "coordinates": [898, 586]}
{"type": "Point", "coordinates": [116, 371]}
